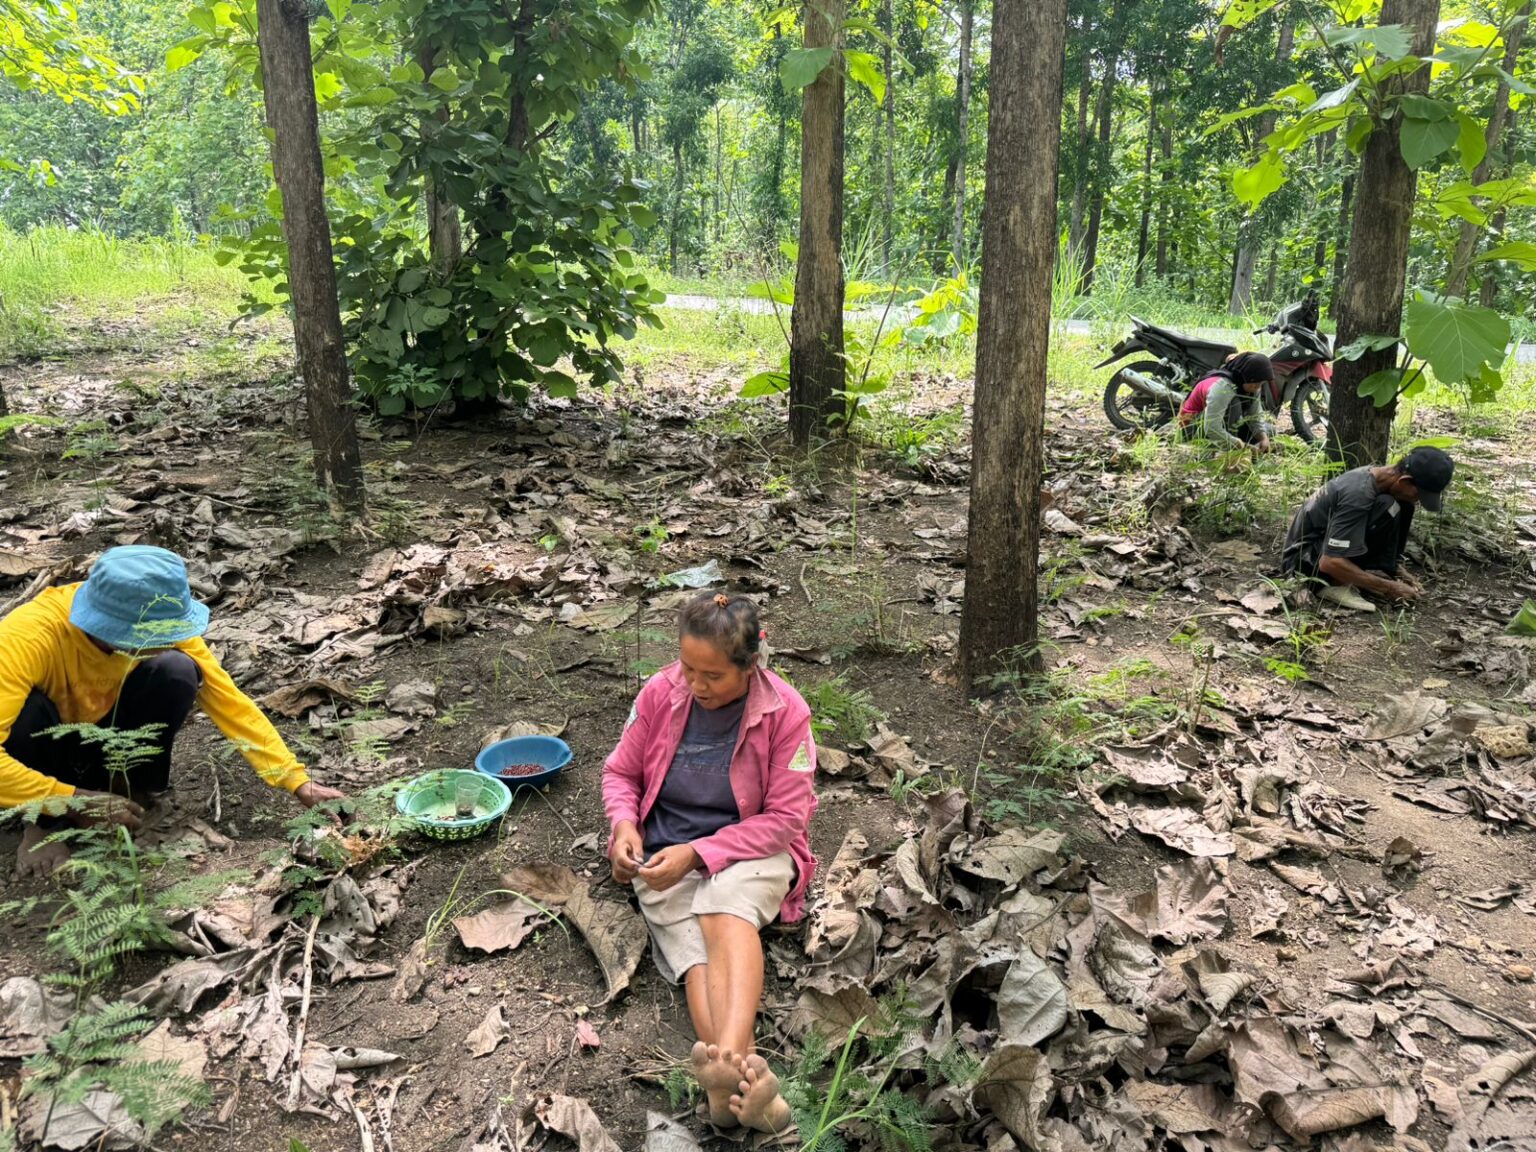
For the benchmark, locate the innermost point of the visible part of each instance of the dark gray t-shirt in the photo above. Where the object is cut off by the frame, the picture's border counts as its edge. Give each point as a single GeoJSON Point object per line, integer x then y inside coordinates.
{"type": "Point", "coordinates": [1335, 521]}
{"type": "Point", "coordinates": [696, 799]}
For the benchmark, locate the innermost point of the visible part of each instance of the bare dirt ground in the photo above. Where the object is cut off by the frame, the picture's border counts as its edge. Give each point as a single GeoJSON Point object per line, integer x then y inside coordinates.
{"type": "Point", "coordinates": [509, 566]}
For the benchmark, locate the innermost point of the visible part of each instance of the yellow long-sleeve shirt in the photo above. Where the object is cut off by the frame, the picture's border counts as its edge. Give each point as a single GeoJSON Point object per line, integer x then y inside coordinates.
{"type": "Point", "coordinates": [41, 650]}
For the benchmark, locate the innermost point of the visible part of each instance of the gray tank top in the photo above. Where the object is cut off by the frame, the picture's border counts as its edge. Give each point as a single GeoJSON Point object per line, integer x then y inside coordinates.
{"type": "Point", "coordinates": [696, 798]}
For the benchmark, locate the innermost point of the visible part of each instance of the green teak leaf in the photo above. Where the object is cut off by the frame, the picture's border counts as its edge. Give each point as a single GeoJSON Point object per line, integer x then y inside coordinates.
{"type": "Point", "coordinates": [1252, 185]}
{"type": "Point", "coordinates": [1521, 252]}
{"type": "Point", "coordinates": [864, 68]}
{"type": "Point", "coordinates": [1524, 623]}
{"type": "Point", "coordinates": [1382, 386]}
{"type": "Point", "coordinates": [1423, 140]}
{"type": "Point", "coordinates": [1471, 142]}
{"type": "Point", "coordinates": [1360, 345]}
{"type": "Point", "coordinates": [1456, 339]}
{"type": "Point", "coordinates": [801, 66]}
{"type": "Point", "coordinates": [765, 384]}
{"type": "Point", "coordinates": [1391, 41]}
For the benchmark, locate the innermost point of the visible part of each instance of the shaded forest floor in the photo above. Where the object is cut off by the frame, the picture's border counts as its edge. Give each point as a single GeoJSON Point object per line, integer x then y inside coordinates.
{"type": "Point", "coordinates": [505, 572]}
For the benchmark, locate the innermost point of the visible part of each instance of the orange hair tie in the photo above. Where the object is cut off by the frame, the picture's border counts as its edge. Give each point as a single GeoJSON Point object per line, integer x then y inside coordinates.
{"type": "Point", "coordinates": [722, 601]}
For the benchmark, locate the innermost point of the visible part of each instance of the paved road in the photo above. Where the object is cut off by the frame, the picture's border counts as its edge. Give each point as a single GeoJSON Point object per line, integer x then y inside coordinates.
{"type": "Point", "coordinates": [1526, 353]}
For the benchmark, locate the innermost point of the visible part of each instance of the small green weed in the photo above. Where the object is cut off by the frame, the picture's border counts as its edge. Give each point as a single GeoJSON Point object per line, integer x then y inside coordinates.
{"type": "Point", "coordinates": [855, 1096]}
{"type": "Point", "coordinates": [843, 714]}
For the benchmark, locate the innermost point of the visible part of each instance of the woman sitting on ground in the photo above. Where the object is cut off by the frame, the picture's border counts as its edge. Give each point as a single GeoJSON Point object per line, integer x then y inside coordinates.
{"type": "Point", "coordinates": [709, 799]}
{"type": "Point", "coordinates": [1225, 407]}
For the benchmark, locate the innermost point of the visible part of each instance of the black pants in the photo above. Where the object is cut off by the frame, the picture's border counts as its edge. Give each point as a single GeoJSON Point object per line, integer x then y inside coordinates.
{"type": "Point", "coordinates": [160, 691]}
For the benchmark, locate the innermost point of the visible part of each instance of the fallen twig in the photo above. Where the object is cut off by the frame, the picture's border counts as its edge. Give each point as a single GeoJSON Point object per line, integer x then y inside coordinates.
{"type": "Point", "coordinates": [1526, 1030]}
{"type": "Point", "coordinates": [803, 587]}
{"type": "Point", "coordinates": [303, 1020]}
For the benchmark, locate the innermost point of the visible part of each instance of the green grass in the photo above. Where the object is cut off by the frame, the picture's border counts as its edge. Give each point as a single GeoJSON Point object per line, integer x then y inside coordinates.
{"type": "Point", "coordinates": [98, 276]}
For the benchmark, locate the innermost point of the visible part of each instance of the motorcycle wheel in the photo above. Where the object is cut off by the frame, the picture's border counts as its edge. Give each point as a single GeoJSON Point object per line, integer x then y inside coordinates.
{"type": "Point", "coordinates": [1127, 408]}
{"type": "Point", "coordinates": [1309, 411]}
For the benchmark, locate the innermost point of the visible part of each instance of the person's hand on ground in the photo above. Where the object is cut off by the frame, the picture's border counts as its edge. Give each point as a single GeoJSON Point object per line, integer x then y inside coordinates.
{"type": "Point", "coordinates": [104, 810]}
{"type": "Point", "coordinates": [625, 851]}
{"type": "Point", "coordinates": [1411, 580]}
{"type": "Point", "coordinates": [1265, 445]}
{"type": "Point", "coordinates": [1401, 592]}
{"type": "Point", "coordinates": [310, 794]}
{"type": "Point", "coordinates": [669, 866]}
{"type": "Point", "coordinates": [37, 856]}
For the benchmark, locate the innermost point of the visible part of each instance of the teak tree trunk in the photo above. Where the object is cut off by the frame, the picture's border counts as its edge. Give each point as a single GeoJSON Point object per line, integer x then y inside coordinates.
{"type": "Point", "coordinates": [1084, 142]}
{"type": "Point", "coordinates": [999, 629]}
{"type": "Point", "coordinates": [1144, 232]}
{"type": "Point", "coordinates": [1371, 296]}
{"type": "Point", "coordinates": [1248, 238]}
{"type": "Point", "coordinates": [962, 131]}
{"type": "Point", "coordinates": [1102, 161]}
{"type": "Point", "coordinates": [1466, 237]}
{"type": "Point", "coordinates": [1164, 209]}
{"type": "Point", "coordinates": [445, 236]}
{"type": "Point", "coordinates": [288, 90]}
{"type": "Point", "coordinates": [816, 366]}
{"type": "Point", "coordinates": [888, 107]}
{"type": "Point", "coordinates": [1341, 243]}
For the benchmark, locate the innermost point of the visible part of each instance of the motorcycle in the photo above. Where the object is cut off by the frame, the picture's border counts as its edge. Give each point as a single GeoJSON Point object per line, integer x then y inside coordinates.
{"type": "Point", "coordinates": [1148, 393]}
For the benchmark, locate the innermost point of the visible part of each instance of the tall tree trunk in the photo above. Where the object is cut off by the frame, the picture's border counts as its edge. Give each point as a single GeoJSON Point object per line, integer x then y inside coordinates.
{"type": "Point", "coordinates": [1341, 244]}
{"type": "Point", "coordinates": [999, 629]}
{"type": "Point", "coordinates": [1488, 282]}
{"type": "Point", "coordinates": [816, 368]}
{"type": "Point", "coordinates": [1080, 161]}
{"type": "Point", "coordinates": [288, 90]}
{"type": "Point", "coordinates": [1371, 302]}
{"type": "Point", "coordinates": [1102, 158]}
{"type": "Point", "coordinates": [1244, 259]}
{"type": "Point", "coordinates": [1466, 238]}
{"type": "Point", "coordinates": [1164, 209]}
{"type": "Point", "coordinates": [1271, 277]}
{"type": "Point", "coordinates": [888, 104]}
{"type": "Point", "coordinates": [1488, 285]}
{"type": "Point", "coordinates": [719, 187]}
{"type": "Point", "coordinates": [1324, 145]}
{"type": "Point", "coordinates": [445, 237]}
{"type": "Point", "coordinates": [1247, 237]}
{"type": "Point", "coordinates": [674, 223]}
{"type": "Point", "coordinates": [962, 130]}
{"type": "Point", "coordinates": [1143, 234]}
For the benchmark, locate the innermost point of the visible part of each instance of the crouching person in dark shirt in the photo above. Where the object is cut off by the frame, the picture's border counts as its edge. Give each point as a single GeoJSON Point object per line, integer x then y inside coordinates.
{"type": "Point", "coordinates": [1351, 532]}
{"type": "Point", "coordinates": [709, 799]}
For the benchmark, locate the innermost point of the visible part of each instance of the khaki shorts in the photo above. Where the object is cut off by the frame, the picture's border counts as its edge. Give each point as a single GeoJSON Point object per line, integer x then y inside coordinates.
{"type": "Point", "coordinates": [751, 890]}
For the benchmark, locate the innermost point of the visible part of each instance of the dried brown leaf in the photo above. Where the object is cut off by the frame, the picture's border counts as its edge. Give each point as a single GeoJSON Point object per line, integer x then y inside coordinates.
{"type": "Point", "coordinates": [487, 1036]}
{"type": "Point", "coordinates": [573, 1118]}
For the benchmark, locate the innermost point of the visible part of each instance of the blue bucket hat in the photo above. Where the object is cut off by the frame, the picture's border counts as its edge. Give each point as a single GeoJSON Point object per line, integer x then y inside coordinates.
{"type": "Point", "coordinates": [138, 597]}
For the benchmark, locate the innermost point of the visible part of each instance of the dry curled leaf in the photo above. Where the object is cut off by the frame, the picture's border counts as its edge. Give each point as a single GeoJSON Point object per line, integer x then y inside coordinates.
{"type": "Point", "coordinates": [488, 1034]}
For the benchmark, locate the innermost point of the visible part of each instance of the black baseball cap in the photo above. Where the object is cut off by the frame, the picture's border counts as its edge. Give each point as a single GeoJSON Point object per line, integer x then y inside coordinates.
{"type": "Point", "coordinates": [1430, 470]}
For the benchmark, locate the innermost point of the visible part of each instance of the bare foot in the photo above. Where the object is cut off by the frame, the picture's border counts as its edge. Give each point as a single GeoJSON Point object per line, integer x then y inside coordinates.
{"type": "Point", "coordinates": [758, 1103]}
{"type": "Point", "coordinates": [718, 1074]}
{"type": "Point", "coordinates": [34, 858]}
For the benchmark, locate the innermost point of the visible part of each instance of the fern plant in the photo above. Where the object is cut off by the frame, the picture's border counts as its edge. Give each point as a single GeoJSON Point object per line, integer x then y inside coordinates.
{"type": "Point", "coordinates": [120, 899]}
{"type": "Point", "coordinates": [95, 1051]}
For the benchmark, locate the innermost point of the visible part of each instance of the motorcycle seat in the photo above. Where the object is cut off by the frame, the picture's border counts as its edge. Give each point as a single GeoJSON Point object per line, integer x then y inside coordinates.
{"type": "Point", "coordinates": [1190, 342]}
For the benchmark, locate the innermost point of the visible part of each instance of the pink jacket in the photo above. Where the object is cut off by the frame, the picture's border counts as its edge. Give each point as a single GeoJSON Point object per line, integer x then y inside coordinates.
{"type": "Point", "coordinates": [771, 770]}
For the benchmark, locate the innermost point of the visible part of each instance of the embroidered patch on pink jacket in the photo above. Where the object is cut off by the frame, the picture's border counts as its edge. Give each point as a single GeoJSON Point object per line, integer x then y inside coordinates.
{"type": "Point", "coordinates": [772, 770]}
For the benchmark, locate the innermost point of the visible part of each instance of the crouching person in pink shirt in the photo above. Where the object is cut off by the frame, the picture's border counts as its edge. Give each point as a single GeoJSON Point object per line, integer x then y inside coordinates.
{"type": "Point", "coordinates": [709, 799]}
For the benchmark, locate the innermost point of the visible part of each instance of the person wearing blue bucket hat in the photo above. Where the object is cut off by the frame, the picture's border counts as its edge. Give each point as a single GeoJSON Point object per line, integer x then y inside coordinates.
{"type": "Point", "coordinates": [123, 650]}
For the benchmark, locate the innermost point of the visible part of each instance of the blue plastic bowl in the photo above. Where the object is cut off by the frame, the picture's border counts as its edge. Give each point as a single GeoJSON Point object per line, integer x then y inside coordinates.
{"type": "Point", "coordinates": [549, 751]}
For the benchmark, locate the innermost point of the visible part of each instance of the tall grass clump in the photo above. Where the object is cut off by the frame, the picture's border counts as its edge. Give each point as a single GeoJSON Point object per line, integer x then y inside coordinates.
{"type": "Point", "coordinates": [99, 275]}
